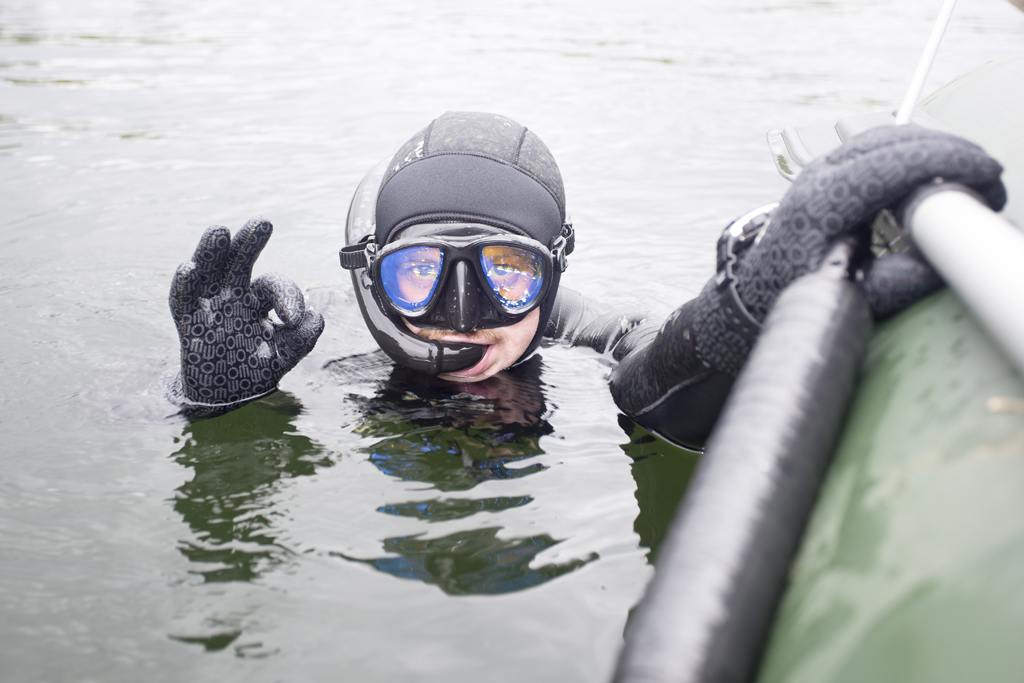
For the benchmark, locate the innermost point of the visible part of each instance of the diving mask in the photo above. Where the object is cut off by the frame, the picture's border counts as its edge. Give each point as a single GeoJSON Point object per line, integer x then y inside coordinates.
{"type": "Point", "coordinates": [460, 275]}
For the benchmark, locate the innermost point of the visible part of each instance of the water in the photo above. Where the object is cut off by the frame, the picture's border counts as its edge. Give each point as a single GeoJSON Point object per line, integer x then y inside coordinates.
{"type": "Point", "coordinates": [344, 527]}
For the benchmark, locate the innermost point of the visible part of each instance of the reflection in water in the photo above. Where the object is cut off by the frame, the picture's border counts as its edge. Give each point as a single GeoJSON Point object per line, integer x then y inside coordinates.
{"type": "Point", "coordinates": [454, 437]}
{"type": "Point", "coordinates": [455, 458]}
{"type": "Point", "coordinates": [662, 472]}
{"type": "Point", "coordinates": [472, 562]}
{"type": "Point", "coordinates": [213, 643]}
{"type": "Point", "coordinates": [238, 459]}
{"type": "Point", "coordinates": [443, 510]}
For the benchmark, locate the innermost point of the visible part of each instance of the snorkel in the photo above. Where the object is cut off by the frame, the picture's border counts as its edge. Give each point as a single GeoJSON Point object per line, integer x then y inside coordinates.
{"type": "Point", "coordinates": [463, 168]}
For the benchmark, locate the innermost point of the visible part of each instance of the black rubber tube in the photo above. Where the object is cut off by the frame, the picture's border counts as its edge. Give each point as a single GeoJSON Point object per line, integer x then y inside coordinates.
{"type": "Point", "coordinates": [724, 563]}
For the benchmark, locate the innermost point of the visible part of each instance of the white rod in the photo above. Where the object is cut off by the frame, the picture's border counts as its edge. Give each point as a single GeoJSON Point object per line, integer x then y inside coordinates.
{"type": "Point", "coordinates": [978, 253]}
{"type": "Point", "coordinates": [917, 82]}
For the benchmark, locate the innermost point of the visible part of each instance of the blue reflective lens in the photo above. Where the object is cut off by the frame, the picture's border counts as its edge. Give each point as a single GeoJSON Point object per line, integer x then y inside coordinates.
{"type": "Point", "coordinates": [515, 274]}
{"type": "Point", "coordinates": [409, 276]}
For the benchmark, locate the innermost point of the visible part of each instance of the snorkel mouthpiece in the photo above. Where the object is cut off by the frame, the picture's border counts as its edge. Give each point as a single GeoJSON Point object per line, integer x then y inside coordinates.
{"type": "Point", "coordinates": [462, 299]}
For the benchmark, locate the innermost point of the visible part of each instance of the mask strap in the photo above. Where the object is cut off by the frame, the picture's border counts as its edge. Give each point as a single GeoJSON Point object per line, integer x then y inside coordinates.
{"type": "Point", "coordinates": [356, 256]}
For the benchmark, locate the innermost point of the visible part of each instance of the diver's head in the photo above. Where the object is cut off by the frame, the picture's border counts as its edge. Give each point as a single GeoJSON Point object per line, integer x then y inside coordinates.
{"type": "Point", "coordinates": [465, 247]}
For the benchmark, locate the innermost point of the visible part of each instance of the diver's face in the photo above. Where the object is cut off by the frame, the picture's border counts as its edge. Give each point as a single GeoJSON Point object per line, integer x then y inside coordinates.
{"type": "Point", "coordinates": [504, 346]}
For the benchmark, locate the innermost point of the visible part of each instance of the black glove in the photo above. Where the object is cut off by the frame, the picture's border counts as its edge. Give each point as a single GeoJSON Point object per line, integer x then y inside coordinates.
{"type": "Point", "coordinates": [837, 196]}
{"type": "Point", "coordinates": [896, 281]}
{"type": "Point", "coordinates": [231, 352]}
{"type": "Point", "coordinates": [676, 382]}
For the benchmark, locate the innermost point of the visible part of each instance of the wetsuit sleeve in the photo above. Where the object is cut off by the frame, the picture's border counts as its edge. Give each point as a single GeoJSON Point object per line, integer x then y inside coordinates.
{"type": "Point", "coordinates": [665, 383]}
{"type": "Point", "coordinates": [578, 322]}
{"type": "Point", "coordinates": [661, 380]}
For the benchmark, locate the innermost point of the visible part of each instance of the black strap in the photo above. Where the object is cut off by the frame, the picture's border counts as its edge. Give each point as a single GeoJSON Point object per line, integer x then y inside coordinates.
{"type": "Point", "coordinates": [353, 256]}
{"type": "Point", "coordinates": [570, 238]}
{"type": "Point", "coordinates": [730, 245]}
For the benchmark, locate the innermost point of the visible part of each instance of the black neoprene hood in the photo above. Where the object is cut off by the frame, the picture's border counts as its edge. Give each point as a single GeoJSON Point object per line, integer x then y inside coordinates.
{"type": "Point", "coordinates": [465, 167]}
{"type": "Point", "coordinates": [473, 167]}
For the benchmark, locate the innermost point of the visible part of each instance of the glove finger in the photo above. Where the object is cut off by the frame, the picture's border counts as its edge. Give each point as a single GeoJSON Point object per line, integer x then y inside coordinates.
{"type": "Point", "coordinates": [907, 165]}
{"type": "Point", "coordinates": [276, 291]}
{"type": "Point", "coordinates": [961, 161]}
{"type": "Point", "coordinates": [878, 138]}
{"type": "Point", "coordinates": [245, 249]}
{"type": "Point", "coordinates": [896, 281]}
{"type": "Point", "coordinates": [887, 163]}
{"type": "Point", "coordinates": [293, 344]}
{"type": "Point", "coordinates": [210, 256]}
{"type": "Point", "coordinates": [994, 194]}
{"type": "Point", "coordinates": [878, 169]}
{"type": "Point", "coordinates": [185, 291]}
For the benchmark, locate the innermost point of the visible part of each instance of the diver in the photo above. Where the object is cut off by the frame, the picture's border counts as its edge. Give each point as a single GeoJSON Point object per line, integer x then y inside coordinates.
{"type": "Point", "coordinates": [456, 247]}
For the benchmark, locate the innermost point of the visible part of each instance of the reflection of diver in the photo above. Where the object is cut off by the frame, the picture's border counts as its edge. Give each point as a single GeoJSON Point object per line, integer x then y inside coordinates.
{"type": "Point", "coordinates": [473, 562]}
{"type": "Point", "coordinates": [228, 504]}
{"type": "Point", "coordinates": [422, 432]}
{"type": "Point", "coordinates": [454, 437]}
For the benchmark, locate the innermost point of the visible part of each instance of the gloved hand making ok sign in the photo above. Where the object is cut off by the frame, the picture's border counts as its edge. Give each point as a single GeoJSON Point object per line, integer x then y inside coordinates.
{"type": "Point", "coordinates": [231, 352]}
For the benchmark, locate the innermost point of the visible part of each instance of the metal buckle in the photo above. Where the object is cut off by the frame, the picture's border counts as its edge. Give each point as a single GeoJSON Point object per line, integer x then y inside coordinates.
{"type": "Point", "coordinates": [736, 238]}
{"type": "Point", "coordinates": [563, 245]}
{"type": "Point", "coordinates": [370, 252]}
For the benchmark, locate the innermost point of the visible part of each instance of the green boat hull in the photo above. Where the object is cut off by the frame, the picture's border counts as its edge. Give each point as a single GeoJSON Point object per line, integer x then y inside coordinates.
{"type": "Point", "coordinates": [913, 561]}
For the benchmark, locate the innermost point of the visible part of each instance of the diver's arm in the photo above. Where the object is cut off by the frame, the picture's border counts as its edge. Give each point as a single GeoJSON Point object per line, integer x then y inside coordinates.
{"type": "Point", "coordinates": [675, 381]}
{"type": "Point", "coordinates": [578, 322]}
{"type": "Point", "coordinates": [231, 352]}
{"type": "Point", "coordinates": [666, 384]}
{"type": "Point", "coordinates": [661, 380]}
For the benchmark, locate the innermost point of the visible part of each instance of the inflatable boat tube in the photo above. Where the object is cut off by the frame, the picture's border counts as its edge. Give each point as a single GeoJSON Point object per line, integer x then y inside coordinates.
{"type": "Point", "coordinates": [724, 562]}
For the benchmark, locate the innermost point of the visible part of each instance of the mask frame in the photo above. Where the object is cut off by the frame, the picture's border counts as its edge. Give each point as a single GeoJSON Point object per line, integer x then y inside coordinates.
{"type": "Point", "coordinates": [461, 243]}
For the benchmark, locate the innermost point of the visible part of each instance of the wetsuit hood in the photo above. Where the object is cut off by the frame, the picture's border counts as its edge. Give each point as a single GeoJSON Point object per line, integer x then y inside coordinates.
{"type": "Point", "coordinates": [463, 167]}
{"type": "Point", "coordinates": [477, 168]}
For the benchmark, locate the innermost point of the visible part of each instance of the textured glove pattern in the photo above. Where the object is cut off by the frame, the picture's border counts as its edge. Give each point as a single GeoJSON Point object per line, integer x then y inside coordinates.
{"type": "Point", "coordinates": [895, 281]}
{"type": "Point", "coordinates": [836, 196]}
{"type": "Point", "coordinates": [231, 352]}
{"type": "Point", "coordinates": [843, 192]}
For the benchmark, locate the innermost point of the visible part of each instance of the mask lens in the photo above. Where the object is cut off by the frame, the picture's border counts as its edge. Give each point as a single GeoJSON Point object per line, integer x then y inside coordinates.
{"type": "Point", "coordinates": [409, 276]}
{"type": "Point", "coordinates": [514, 273]}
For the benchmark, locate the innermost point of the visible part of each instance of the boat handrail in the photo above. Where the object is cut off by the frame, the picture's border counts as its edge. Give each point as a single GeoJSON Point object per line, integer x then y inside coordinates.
{"type": "Point", "coordinates": [978, 253]}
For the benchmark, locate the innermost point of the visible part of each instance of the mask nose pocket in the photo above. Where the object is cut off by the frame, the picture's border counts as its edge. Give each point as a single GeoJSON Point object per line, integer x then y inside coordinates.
{"type": "Point", "coordinates": [462, 298]}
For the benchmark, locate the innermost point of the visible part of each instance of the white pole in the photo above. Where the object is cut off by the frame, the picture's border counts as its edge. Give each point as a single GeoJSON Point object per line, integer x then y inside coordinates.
{"type": "Point", "coordinates": [917, 82]}
{"type": "Point", "coordinates": [984, 269]}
